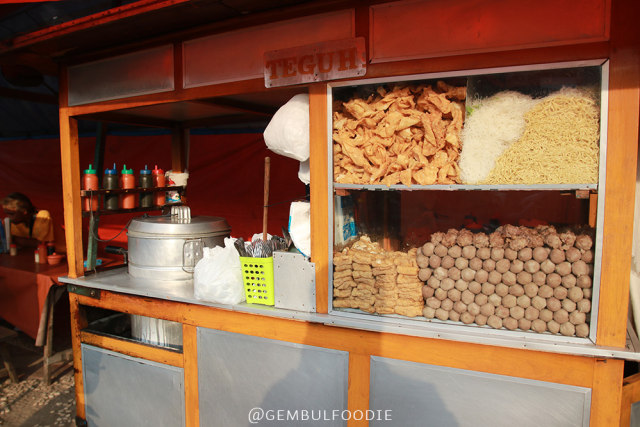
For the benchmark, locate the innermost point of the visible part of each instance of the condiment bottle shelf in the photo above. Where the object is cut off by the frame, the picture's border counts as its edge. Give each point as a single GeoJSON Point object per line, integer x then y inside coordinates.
{"type": "Point", "coordinates": [133, 210]}
{"type": "Point", "coordinates": [89, 193]}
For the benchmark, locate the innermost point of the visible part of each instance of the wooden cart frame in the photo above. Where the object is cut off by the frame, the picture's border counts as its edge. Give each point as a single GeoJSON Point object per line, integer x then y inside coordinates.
{"type": "Point", "coordinates": [618, 41]}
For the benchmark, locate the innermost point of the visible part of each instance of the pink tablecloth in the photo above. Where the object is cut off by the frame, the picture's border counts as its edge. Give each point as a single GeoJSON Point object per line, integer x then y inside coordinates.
{"type": "Point", "coordinates": [24, 286]}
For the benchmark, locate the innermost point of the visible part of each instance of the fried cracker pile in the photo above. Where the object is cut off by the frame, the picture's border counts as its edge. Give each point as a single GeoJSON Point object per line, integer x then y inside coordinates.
{"type": "Point", "coordinates": [409, 135]}
{"type": "Point", "coordinates": [373, 280]}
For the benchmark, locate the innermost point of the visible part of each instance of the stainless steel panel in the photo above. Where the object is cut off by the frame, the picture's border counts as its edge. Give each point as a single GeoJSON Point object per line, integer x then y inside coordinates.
{"type": "Point", "coordinates": [239, 372]}
{"type": "Point", "coordinates": [137, 73]}
{"type": "Point", "coordinates": [635, 415]}
{"type": "Point", "coordinates": [294, 281]}
{"type": "Point", "coordinates": [419, 394]}
{"type": "Point", "coordinates": [156, 331]}
{"type": "Point", "coordinates": [127, 391]}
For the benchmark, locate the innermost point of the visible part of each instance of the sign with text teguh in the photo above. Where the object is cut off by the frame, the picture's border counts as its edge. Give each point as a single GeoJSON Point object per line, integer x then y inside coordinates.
{"type": "Point", "coordinates": [316, 62]}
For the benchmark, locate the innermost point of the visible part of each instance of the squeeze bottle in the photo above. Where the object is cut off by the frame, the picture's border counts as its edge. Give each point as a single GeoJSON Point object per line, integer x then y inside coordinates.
{"type": "Point", "coordinates": [90, 182]}
{"type": "Point", "coordinates": [42, 253]}
{"type": "Point", "coordinates": [146, 181]}
{"type": "Point", "coordinates": [158, 181]}
{"type": "Point", "coordinates": [110, 182]}
{"type": "Point", "coordinates": [127, 180]}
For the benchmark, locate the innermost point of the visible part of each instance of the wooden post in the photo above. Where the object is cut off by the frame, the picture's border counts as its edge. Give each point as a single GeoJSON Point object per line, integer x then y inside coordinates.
{"type": "Point", "coordinates": [70, 163]}
{"type": "Point", "coordinates": [190, 352]}
{"type": "Point", "coordinates": [319, 192]}
{"type": "Point", "coordinates": [78, 322]}
{"type": "Point", "coordinates": [606, 393]}
{"type": "Point", "coordinates": [358, 390]}
{"type": "Point", "coordinates": [180, 149]}
{"type": "Point", "coordinates": [622, 146]}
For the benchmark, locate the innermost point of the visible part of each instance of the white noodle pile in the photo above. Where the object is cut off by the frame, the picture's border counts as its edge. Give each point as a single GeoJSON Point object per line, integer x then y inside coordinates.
{"type": "Point", "coordinates": [560, 144]}
{"type": "Point", "coordinates": [489, 131]}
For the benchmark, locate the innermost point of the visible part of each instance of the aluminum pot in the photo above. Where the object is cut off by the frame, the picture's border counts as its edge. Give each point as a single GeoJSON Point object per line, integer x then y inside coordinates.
{"type": "Point", "coordinates": [168, 247]}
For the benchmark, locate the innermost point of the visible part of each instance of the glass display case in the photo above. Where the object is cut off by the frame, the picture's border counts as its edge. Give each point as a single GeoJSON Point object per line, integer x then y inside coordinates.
{"type": "Point", "coordinates": [469, 199]}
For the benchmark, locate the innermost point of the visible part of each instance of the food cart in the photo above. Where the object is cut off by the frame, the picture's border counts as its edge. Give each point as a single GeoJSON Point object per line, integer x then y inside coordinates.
{"type": "Point", "coordinates": [343, 364]}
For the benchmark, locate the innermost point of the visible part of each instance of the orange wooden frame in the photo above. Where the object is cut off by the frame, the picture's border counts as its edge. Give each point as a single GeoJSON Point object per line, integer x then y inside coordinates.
{"type": "Point", "coordinates": [603, 376]}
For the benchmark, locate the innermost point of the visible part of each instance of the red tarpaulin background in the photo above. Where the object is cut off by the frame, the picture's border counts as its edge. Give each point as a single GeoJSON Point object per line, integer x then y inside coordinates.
{"type": "Point", "coordinates": [225, 177]}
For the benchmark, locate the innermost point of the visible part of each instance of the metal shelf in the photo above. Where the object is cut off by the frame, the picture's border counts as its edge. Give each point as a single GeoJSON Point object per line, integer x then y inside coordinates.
{"type": "Point", "coordinates": [89, 193]}
{"type": "Point", "coordinates": [463, 187]}
{"type": "Point", "coordinates": [102, 212]}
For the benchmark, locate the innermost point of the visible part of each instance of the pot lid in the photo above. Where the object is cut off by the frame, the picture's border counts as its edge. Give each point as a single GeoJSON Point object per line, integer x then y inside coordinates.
{"type": "Point", "coordinates": [172, 226]}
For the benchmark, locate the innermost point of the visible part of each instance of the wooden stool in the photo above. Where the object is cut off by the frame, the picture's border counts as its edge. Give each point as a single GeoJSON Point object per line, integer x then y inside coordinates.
{"type": "Point", "coordinates": [5, 335]}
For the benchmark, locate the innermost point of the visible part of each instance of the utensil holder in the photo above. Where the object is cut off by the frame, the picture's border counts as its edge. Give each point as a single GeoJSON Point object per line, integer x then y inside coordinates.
{"type": "Point", "coordinates": [257, 276]}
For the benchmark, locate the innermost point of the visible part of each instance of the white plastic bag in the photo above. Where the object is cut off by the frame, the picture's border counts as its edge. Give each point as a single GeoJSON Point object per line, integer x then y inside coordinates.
{"type": "Point", "coordinates": [300, 226]}
{"type": "Point", "coordinates": [304, 173]}
{"type": "Point", "coordinates": [217, 277]}
{"type": "Point", "coordinates": [287, 133]}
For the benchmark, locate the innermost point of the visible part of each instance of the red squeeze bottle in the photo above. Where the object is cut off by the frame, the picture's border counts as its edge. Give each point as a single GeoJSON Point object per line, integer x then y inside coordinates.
{"type": "Point", "coordinates": [158, 181]}
{"type": "Point", "coordinates": [127, 180]}
{"type": "Point", "coordinates": [90, 182]}
{"type": "Point", "coordinates": [42, 253]}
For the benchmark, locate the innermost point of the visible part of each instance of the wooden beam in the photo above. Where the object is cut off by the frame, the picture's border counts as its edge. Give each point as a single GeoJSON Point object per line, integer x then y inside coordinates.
{"type": "Point", "coordinates": [134, 349]}
{"type": "Point", "coordinates": [43, 63]}
{"type": "Point", "coordinates": [26, 95]}
{"type": "Point", "coordinates": [93, 21]}
{"type": "Point", "coordinates": [319, 192]}
{"type": "Point", "coordinates": [521, 363]}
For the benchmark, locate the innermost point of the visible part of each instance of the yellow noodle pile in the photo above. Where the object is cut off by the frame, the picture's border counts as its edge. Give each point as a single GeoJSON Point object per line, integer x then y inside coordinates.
{"type": "Point", "coordinates": [559, 144]}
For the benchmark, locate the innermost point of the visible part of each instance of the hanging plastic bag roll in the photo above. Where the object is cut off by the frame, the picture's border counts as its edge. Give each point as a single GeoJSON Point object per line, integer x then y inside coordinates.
{"type": "Point", "coordinates": [218, 275]}
{"type": "Point", "coordinates": [300, 226]}
{"type": "Point", "coordinates": [287, 133]}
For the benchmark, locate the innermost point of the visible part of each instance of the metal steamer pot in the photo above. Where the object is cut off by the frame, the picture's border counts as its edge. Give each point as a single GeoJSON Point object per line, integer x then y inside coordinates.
{"type": "Point", "coordinates": [168, 247]}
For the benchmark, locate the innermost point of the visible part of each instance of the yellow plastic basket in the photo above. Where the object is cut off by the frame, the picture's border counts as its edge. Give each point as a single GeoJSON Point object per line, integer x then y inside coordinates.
{"type": "Point", "coordinates": [257, 276]}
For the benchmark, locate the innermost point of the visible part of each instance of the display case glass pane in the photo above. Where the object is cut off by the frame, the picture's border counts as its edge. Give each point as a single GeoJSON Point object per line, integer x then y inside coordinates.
{"type": "Point", "coordinates": [500, 228]}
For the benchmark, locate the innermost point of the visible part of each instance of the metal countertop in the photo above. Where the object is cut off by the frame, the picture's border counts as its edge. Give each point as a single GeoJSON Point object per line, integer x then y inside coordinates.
{"type": "Point", "coordinates": [118, 280]}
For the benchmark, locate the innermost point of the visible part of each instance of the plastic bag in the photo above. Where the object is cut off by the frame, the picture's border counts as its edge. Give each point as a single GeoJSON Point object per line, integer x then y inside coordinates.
{"type": "Point", "coordinates": [345, 224]}
{"type": "Point", "coordinates": [300, 226]}
{"type": "Point", "coordinates": [217, 277]}
{"type": "Point", "coordinates": [304, 174]}
{"type": "Point", "coordinates": [287, 133]}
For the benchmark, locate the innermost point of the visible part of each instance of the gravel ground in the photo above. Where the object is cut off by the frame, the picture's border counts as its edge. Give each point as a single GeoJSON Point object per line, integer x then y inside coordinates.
{"type": "Point", "coordinates": [30, 403]}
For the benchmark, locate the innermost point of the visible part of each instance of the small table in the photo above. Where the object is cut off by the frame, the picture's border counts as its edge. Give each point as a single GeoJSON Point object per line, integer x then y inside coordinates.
{"type": "Point", "coordinates": [28, 294]}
